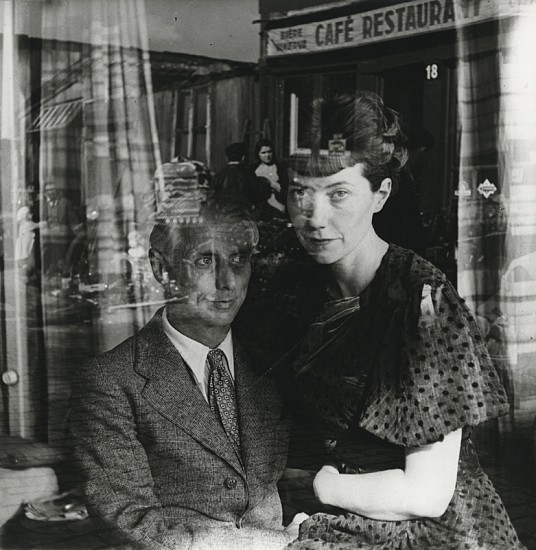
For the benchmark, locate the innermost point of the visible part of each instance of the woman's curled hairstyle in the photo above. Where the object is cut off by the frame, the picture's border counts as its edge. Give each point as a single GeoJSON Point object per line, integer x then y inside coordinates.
{"type": "Point", "coordinates": [372, 132]}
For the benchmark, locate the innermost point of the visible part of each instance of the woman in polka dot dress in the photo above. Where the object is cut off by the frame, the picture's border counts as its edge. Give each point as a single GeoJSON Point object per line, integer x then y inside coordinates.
{"type": "Point", "coordinates": [393, 370]}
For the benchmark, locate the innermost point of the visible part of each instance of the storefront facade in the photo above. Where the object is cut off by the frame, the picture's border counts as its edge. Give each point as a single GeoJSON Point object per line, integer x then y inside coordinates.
{"type": "Point", "coordinates": [93, 114]}
{"type": "Point", "coordinates": [458, 70]}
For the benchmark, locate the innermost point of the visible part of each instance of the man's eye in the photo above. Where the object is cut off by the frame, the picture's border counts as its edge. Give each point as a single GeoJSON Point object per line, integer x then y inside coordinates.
{"type": "Point", "coordinates": [203, 261]}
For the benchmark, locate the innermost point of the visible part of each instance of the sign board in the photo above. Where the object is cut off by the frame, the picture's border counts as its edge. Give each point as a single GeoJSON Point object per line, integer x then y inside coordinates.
{"type": "Point", "coordinates": [337, 146]}
{"type": "Point", "coordinates": [388, 23]}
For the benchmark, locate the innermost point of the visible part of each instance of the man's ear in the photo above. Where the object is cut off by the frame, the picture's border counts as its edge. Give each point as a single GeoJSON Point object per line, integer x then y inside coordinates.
{"type": "Point", "coordinates": [382, 194]}
{"type": "Point", "coordinates": [158, 265]}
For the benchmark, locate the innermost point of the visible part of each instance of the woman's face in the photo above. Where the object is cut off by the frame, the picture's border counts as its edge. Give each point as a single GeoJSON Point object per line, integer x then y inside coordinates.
{"type": "Point", "coordinates": [332, 215]}
{"type": "Point", "coordinates": [266, 155]}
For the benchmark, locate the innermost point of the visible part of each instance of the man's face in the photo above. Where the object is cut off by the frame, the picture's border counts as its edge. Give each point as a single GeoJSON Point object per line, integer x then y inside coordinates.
{"type": "Point", "coordinates": [51, 194]}
{"type": "Point", "coordinates": [211, 283]}
{"type": "Point", "coordinates": [266, 155]}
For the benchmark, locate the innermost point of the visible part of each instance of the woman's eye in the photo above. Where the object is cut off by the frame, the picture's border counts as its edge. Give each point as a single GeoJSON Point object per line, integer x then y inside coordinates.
{"type": "Point", "coordinates": [297, 193]}
{"type": "Point", "coordinates": [339, 194]}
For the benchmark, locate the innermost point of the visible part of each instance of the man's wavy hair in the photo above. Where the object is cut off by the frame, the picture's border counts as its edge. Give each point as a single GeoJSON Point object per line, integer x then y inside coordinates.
{"type": "Point", "coordinates": [222, 218]}
{"type": "Point", "coordinates": [372, 132]}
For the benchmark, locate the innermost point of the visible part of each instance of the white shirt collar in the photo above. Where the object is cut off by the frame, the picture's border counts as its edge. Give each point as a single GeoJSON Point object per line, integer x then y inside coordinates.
{"type": "Point", "coordinates": [195, 354]}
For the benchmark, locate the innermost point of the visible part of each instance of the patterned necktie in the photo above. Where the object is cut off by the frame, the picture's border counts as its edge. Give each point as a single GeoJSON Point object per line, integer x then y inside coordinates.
{"type": "Point", "coordinates": [221, 395]}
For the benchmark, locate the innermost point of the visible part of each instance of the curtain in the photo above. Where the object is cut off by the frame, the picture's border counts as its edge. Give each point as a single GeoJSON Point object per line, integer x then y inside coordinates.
{"type": "Point", "coordinates": [517, 143]}
{"type": "Point", "coordinates": [95, 130]}
{"type": "Point", "coordinates": [497, 202]}
{"type": "Point", "coordinates": [22, 410]}
{"type": "Point", "coordinates": [121, 153]}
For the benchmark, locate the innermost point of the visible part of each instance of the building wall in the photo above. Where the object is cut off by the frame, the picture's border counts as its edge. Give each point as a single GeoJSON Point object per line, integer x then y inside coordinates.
{"type": "Point", "coordinates": [235, 111]}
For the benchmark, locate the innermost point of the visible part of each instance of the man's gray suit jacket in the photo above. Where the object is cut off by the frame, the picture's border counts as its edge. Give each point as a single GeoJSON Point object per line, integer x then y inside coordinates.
{"type": "Point", "coordinates": [156, 464]}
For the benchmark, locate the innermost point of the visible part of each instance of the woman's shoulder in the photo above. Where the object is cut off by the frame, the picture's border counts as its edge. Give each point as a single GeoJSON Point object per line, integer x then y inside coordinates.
{"type": "Point", "coordinates": [402, 279]}
{"type": "Point", "coordinates": [441, 376]}
{"type": "Point", "coordinates": [411, 268]}
{"type": "Point", "coordinates": [414, 284]}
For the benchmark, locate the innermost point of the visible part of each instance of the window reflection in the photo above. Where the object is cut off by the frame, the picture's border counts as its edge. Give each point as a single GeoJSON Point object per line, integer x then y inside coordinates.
{"type": "Point", "coordinates": [101, 131]}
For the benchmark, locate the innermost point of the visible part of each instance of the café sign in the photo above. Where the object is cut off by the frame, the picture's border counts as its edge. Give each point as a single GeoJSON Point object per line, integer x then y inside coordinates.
{"type": "Point", "coordinates": [387, 23]}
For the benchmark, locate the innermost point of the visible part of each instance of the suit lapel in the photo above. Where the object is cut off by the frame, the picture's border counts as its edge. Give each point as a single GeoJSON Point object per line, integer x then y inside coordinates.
{"type": "Point", "coordinates": [171, 390]}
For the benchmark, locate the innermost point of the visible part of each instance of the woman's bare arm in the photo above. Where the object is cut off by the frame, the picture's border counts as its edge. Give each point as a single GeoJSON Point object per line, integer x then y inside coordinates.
{"type": "Point", "coordinates": [423, 489]}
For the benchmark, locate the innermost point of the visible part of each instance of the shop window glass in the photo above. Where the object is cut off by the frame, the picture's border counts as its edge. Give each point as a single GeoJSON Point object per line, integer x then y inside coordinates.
{"type": "Point", "coordinates": [93, 119]}
{"type": "Point", "coordinates": [79, 152]}
{"type": "Point", "coordinates": [497, 205]}
{"type": "Point", "coordinates": [87, 153]}
{"type": "Point", "coordinates": [301, 95]}
{"type": "Point", "coordinates": [183, 124]}
{"type": "Point", "coordinates": [340, 83]}
{"type": "Point", "coordinates": [201, 120]}
{"type": "Point", "coordinates": [193, 125]}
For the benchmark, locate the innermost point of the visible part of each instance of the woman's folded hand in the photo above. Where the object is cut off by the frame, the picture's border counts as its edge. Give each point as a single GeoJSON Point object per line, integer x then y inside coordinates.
{"type": "Point", "coordinates": [293, 528]}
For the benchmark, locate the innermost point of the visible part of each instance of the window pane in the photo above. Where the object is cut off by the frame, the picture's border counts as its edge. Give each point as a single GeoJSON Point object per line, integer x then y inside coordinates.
{"type": "Point", "coordinates": [301, 96]}
{"type": "Point", "coordinates": [332, 123]}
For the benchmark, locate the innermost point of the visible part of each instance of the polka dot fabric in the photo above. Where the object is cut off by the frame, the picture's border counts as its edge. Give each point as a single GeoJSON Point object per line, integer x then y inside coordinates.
{"type": "Point", "coordinates": [439, 379]}
{"type": "Point", "coordinates": [448, 379]}
{"type": "Point", "coordinates": [475, 520]}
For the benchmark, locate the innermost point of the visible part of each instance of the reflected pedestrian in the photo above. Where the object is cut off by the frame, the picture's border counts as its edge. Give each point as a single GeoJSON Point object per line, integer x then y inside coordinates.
{"type": "Point", "coordinates": [235, 180]}
{"type": "Point", "coordinates": [275, 172]}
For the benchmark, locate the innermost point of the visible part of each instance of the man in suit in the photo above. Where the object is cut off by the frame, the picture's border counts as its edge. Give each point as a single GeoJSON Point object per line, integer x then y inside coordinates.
{"type": "Point", "coordinates": [166, 465]}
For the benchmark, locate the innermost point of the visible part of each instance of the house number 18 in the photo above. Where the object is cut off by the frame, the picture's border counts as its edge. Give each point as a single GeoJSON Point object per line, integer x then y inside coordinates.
{"type": "Point", "coordinates": [432, 71]}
